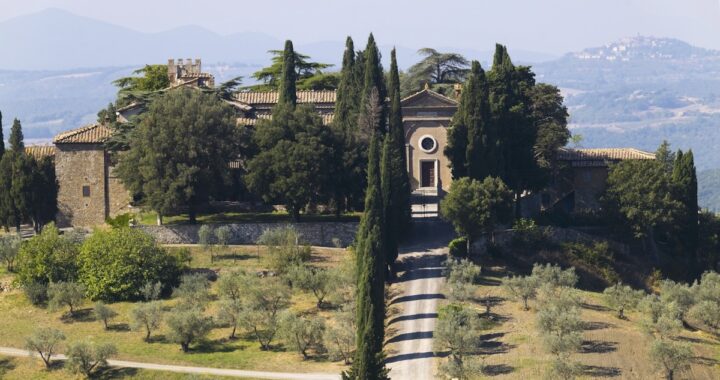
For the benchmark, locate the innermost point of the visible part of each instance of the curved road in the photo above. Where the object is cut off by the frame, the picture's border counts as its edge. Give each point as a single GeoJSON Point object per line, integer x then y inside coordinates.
{"type": "Point", "coordinates": [420, 283]}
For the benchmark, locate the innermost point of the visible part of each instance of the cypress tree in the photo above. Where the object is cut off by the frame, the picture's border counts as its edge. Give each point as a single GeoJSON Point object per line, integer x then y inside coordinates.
{"type": "Point", "coordinates": [370, 294]}
{"type": "Point", "coordinates": [374, 78]}
{"type": "Point", "coordinates": [685, 179]}
{"type": "Point", "coordinates": [395, 181]}
{"type": "Point", "coordinates": [2, 139]}
{"type": "Point", "coordinates": [16, 137]}
{"type": "Point", "coordinates": [457, 143]}
{"type": "Point", "coordinates": [347, 99]}
{"type": "Point", "coordinates": [287, 91]}
{"type": "Point", "coordinates": [478, 154]}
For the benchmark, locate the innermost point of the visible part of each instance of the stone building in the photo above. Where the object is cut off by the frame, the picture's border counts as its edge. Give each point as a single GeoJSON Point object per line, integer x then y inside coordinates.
{"type": "Point", "coordinates": [89, 192]}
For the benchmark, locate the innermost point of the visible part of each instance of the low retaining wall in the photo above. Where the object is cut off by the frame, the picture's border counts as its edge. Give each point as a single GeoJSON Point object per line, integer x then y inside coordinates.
{"type": "Point", "coordinates": [325, 234]}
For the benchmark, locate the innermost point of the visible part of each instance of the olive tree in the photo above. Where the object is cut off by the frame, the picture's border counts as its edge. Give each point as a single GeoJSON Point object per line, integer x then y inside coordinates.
{"type": "Point", "coordinates": [461, 276]}
{"type": "Point", "coordinates": [458, 332]}
{"type": "Point", "coordinates": [560, 328]}
{"type": "Point", "coordinates": [317, 281]}
{"type": "Point", "coordinates": [70, 294]}
{"type": "Point", "coordinates": [302, 333]}
{"type": "Point", "coordinates": [553, 276]}
{"type": "Point", "coordinates": [87, 358]}
{"type": "Point", "coordinates": [44, 341]}
{"type": "Point", "coordinates": [188, 326]}
{"type": "Point", "coordinates": [671, 357]}
{"type": "Point", "coordinates": [147, 317]}
{"type": "Point", "coordinates": [205, 239]}
{"type": "Point", "coordinates": [230, 312]}
{"type": "Point", "coordinates": [231, 285]}
{"type": "Point", "coordinates": [151, 291]}
{"type": "Point", "coordinates": [266, 298]}
{"type": "Point", "coordinates": [340, 336]}
{"type": "Point", "coordinates": [621, 297]}
{"type": "Point", "coordinates": [103, 313]}
{"type": "Point", "coordinates": [284, 248]}
{"type": "Point", "coordinates": [522, 288]}
{"type": "Point", "coordinates": [9, 248]}
{"type": "Point", "coordinates": [681, 295]}
{"type": "Point", "coordinates": [193, 291]}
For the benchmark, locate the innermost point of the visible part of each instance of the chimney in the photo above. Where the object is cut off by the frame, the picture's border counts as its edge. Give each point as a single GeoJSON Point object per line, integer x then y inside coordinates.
{"type": "Point", "coordinates": [458, 89]}
{"type": "Point", "coordinates": [172, 70]}
{"type": "Point", "coordinates": [198, 65]}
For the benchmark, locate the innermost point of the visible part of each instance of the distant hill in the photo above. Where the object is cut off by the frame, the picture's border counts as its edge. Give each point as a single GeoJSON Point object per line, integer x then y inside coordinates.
{"type": "Point", "coordinates": [709, 189]}
{"type": "Point", "coordinates": [639, 91]}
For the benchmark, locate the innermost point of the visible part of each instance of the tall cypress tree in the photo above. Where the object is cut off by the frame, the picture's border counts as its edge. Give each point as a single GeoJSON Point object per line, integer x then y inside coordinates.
{"type": "Point", "coordinates": [477, 114]}
{"type": "Point", "coordinates": [16, 141]}
{"type": "Point", "coordinates": [370, 293]}
{"type": "Point", "coordinates": [374, 78]}
{"type": "Point", "coordinates": [2, 138]}
{"type": "Point", "coordinates": [287, 90]}
{"type": "Point", "coordinates": [395, 181]}
{"type": "Point", "coordinates": [685, 179]}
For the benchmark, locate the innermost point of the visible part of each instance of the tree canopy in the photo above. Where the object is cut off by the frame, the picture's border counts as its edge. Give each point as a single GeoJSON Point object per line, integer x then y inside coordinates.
{"type": "Point", "coordinates": [309, 75]}
{"type": "Point", "coordinates": [437, 70]}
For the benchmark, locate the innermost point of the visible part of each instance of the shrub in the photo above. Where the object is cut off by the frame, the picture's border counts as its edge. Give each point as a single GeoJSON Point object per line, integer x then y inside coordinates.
{"type": "Point", "coordinates": [597, 256]}
{"type": "Point", "coordinates": [120, 221]}
{"type": "Point", "coordinates": [104, 313]}
{"type": "Point", "coordinates": [458, 247]}
{"type": "Point", "coordinates": [116, 264]}
{"type": "Point", "coordinates": [44, 341]}
{"type": "Point", "coordinates": [151, 291]}
{"type": "Point", "coordinates": [70, 294]}
{"type": "Point", "coordinates": [193, 291]}
{"type": "Point", "coordinates": [528, 234]}
{"type": "Point", "coordinates": [36, 292]}
{"type": "Point", "coordinates": [461, 276]}
{"type": "Point", "coordinates": [284, 249]}
{"type": "Point", "coordinates": [188, 326]}
{"type": "Point", "coordinates": [47, 257]}
{"type": "Point", "coordinates": [147, 317]}
{"type": "Point", "coordinates": [9, 248]}
{"type": "Point", "coordinates": [302, 333]}
{"type": "Point", "coordinates": [86, 358]}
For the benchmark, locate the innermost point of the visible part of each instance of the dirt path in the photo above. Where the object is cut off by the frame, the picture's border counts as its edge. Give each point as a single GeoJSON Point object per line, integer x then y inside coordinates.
{"type": "Point", "coordinates": [420, 285]}
{"type": "Point", "coordinates": [197, 370]}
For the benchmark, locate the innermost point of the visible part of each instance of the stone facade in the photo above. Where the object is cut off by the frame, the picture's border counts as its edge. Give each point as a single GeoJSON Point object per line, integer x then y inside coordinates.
{"type": "Point", "coordinates": [81, 171]}
{"type": "Point", "coordinates": [426, 117]}
{"type": "Point", "coordinates": [325, 234]}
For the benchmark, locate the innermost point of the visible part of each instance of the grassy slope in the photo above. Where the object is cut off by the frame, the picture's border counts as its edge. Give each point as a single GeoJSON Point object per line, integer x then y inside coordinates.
{"type": "Point", "coordinates": [20, 318]}
{"type": "Point", "coordinates": [612, 348]}
{"type": "Point", "coordinates": [150, 218]}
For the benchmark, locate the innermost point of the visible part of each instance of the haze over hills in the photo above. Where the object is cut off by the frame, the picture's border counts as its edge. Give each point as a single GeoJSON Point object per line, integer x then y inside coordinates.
{"type": "Point", "coordinates": [633, 92]}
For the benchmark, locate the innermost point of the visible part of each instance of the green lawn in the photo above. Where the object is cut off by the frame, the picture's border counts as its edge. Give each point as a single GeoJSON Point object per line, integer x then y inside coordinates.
{"type": "Point", "coordinates": [20, 318]}
{"type": "Point", "coordinates": [150, 218]}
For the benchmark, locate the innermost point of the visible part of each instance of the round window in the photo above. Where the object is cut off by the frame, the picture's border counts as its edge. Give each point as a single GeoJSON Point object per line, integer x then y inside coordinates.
{"type": "Point", "coordinates": [427, 143]}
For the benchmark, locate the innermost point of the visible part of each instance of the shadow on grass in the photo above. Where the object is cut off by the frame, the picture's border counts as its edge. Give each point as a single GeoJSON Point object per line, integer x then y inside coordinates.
{"type": "Point", "coordinates": [599, 371]}
{"type": "Point", "coordinates": [597, 347]}
{"type": "Point", "coordinates": [214, 346]}
{"type": "Point", "coordinates": [80, 315]}
{"type": "Point", "coordinates": [497, 369]}
{"type": "Point", "coordinates": [6, 365]}
{"type": "Point", "coordinates": [235, 257]}
{"type": "Point", "coordinates": [696, 340]}
{"type": "Point", "coordinates": [589, 306]}
{"type": "Point", "coordinates": [120, 327]}
{"type": "Point", "coordinates": [705, 361]}
{"type": "Point", "coordinates": [109, 373]}
{"type": "Point", "coordinates": [488, 281]}
{"type": "Point", "coordinates": [591, 326]}
{"type": "Point", "coordinates": [160, 338]}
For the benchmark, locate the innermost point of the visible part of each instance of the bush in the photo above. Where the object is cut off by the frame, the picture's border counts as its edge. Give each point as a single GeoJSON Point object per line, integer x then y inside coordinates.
{"type": "Point", "coordinates": [47, 257]}
{"type": "Point", "coordinates": [458, 247]}
{"type": "Point", "coordinates": [284, 248]}
{"type": "Point", "coordinates": [528, 234]}
{"type": "Point", "coordinates": [116, 264]}
{"type": "Point", "coordinates": [36, 293]}
{"type": "Point", "coordinates": [87, 358]}
{"type": "Point", "coordinates": [597, 256]}
{"type": "Point", "coordinates": [151, 291]}
{"type": "Point", "coordinates": [70, 294]}
{"type": "Point", "coordinates": [120, 221]}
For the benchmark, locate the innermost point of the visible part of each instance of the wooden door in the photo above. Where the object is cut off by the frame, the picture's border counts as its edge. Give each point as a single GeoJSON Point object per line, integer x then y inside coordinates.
{"type": "Point", "coordinates": [427, 173]}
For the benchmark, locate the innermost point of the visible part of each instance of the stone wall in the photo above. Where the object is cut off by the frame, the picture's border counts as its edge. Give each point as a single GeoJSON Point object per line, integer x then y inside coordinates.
{"type": "Point", "coordinates": [118, 195]}
{"type": "Point", "coordinates": [77, 166]}
{"type": "Point", "coordinates": [318, 234]}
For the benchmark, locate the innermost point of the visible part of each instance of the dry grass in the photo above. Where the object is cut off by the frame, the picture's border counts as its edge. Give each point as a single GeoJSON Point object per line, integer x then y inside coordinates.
{"type": "Point", "coordinates": [20, 319]}
{"type": "Point", "coordinates": [613, 348]}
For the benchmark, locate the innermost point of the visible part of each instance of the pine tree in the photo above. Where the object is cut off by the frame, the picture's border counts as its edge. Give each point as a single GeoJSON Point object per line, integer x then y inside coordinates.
{"type": "Point", "coordinates": [685, 179]}
{"type": "Point", "coordinates": [287, 91]}
{"type": "Point", "coordinates": [374, 78]}
{"type": "Point", "coordinates": [395, 181]}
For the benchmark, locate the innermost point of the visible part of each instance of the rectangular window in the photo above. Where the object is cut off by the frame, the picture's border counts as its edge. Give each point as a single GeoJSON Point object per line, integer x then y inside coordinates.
{"type": "Point", "coordinates": [86, 191]}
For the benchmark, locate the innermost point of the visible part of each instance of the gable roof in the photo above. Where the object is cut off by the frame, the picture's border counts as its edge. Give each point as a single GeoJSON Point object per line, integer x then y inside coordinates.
{"type": "Point", "coordinates": [89, 134]}
{"type": "Point", "coordinates": [40, 151]}
{"type": "Point", "coordinates": [271, 97]}
{"type": "Point", "coordinates": [599, 157]}
{"type": "Point", "coordinates": [428, 92]}
{"type": "Point", "coordinates": [251, 121]}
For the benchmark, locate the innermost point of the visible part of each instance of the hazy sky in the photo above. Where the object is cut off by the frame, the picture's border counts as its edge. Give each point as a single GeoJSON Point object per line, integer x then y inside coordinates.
{"type": "Point", "coordinates": [551, 26]}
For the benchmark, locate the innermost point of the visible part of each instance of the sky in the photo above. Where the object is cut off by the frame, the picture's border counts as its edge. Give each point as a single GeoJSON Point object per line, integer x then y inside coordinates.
{"type": "Point", "coordinates": [547, 26]}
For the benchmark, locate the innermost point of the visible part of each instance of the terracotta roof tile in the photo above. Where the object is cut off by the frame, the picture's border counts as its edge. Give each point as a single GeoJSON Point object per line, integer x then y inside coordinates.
{"type": "Point", "coordinates": [326, 119]}
{"type": "Point", "coordinates": [89, 134]}
{"type": "Point", "coordinates": [40, 151]}
{"type": "Point", "coordinates": [271, 97]}
{"type": "Point", "coordinates": [602, 156]}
